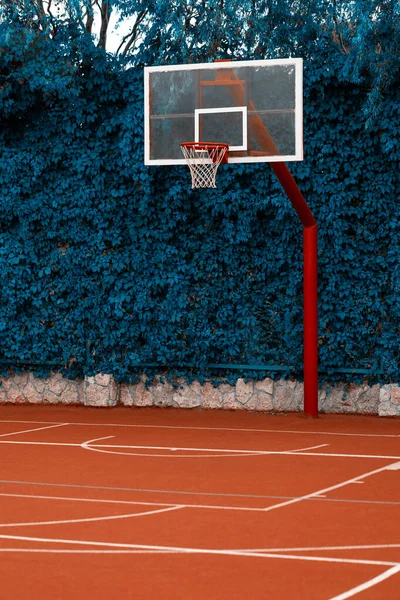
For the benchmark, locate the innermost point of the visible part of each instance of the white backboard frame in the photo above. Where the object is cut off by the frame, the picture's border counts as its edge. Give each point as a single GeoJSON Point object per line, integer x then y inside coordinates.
{"type": "Point", "coordinates": [296, 62]}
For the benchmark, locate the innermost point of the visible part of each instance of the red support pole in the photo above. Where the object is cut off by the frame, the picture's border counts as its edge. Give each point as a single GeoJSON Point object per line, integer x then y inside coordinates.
{"type": "Point", "coordinates": [310, 286]}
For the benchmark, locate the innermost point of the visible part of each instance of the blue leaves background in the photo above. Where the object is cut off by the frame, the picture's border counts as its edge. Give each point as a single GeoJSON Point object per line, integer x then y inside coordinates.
{"type": "Point", "coordinates": [108, 265]}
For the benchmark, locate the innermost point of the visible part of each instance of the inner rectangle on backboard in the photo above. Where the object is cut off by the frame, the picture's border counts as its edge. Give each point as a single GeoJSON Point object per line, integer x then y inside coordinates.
{"type": "Point", "coordinates": [227, 125]}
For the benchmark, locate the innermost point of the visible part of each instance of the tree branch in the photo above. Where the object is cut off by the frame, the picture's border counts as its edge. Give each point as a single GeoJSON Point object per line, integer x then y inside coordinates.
{"type": "Point", "coordinates": [130, 38]}
{"type": "Point", "coordinates": [105, 12]}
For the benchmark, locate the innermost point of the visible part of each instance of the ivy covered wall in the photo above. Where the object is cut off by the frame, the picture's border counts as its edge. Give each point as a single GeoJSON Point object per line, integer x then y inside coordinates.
{"type": "Point", "coordinates": [106, 264]}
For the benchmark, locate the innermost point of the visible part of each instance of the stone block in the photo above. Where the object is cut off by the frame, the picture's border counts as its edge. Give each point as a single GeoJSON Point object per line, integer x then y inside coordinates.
{"type": "Point", "coordinates": [288, 397]}
{"type": "Point", "coordinates": [49, 398]}
{"type": "Point", "coordinates": [396, 395]}
{"type": "Point", "coordinates": [31, 394]}
{"type": "Point", "coordinates": [188, 396]}
{"type": "Point", "coordinates": [72, 394]}
{"type": "Point", "coordinates": [387, 409]}
{"type": "Point", "coordinates": [244, 391]}
{"type": "Point", "coordinates": [266, 386]}
{"type": "Point", "coordinates": [264, 402]}
{"type": "Point", "coordinates": [142, 395]}
{"type": "Point", "coordinates": [162, 393]}
{"type": "Point", "coordinates": [229, 402]}
{"type": "Point", "coordinates": [212, 397]}
{"type": "Point", "coordinates": [103, 380]}
{"type": "Point", "coordinates": [127, 394]}
{"type": "Point", "coordinates": [39, 384]}
{"type": "Point", "coordinates": [57, 384]}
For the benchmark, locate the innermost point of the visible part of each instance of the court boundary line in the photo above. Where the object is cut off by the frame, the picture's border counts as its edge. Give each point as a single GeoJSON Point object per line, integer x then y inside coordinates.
{"type": "Point", "coordinates": [246, 429]}
{"type": "Point", "coordinates": [368, 584]}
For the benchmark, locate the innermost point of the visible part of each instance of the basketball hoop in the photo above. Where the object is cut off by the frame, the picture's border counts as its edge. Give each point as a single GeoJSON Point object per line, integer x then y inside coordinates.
{"type": "Point", "coordinates": [204, 159]}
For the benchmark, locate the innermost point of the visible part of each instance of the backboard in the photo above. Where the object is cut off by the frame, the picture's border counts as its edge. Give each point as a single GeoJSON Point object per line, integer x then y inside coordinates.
{"type": "Point", "coordinates": [254, 106]}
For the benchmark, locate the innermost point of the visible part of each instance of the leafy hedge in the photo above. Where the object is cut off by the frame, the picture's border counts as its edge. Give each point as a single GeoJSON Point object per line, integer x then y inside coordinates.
{"type": "Point", "coordinates": [106, 264]}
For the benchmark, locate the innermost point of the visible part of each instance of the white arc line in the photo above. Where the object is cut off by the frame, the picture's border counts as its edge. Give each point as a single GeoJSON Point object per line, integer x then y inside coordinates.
{"type": "Point", "coordinates": [32, 430]}
{"type": "Point", "coordinates": [210, 551]}
{"type": "Point", "coordinates": [324, 490]}
{"type": "Point", "coordinates": [101, 448]}
{"type": "Point", "coordinates": [368, 584]}
{"type": "Point", "coordinates": [309, 448]}
{"type": "Point", "coordinates": [90, 445]}
{"type": "Point", "coordinates": [92, 519]}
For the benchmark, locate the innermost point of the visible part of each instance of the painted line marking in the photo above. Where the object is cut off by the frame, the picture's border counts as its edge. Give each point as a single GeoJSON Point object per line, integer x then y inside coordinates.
{"type": "Point", "coordinates": [325, 548]}
{"type": "Point", "coordinates": [324, 490]}
{"type": "Point", "coordinates": [368, 584]}
{"type": "Point", "coordinates": [69, 551]}
{"type": "Point", "coordinates": [134, 503]}
{"type": "Point", "coordinates": [309, 448]}
{"type": "Point", "coordinates": [202, 551]}
{"type": "Point", "coordinates": [183, 493]}
{"type": "Point", "coordinates": [238, 429]}
{"type": "Point", "coordinates": [32, 430]}
{"type": "Point", "coordinates": [222, 450]}
{"type": "Point", "coordinates": [90, 445]}
{"type": "Point", "coordinates": [394, 467]}
{"type": "Point", "coordinates": [93, 519]}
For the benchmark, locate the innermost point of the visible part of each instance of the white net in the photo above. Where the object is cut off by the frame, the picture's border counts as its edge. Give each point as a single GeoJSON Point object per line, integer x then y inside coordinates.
{"type": "Point", "coordinates": [203, 160]}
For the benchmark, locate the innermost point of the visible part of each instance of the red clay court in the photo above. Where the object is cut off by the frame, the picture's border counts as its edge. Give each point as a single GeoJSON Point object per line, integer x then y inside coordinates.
{"type": "Point", "coordinates": [175, 504]}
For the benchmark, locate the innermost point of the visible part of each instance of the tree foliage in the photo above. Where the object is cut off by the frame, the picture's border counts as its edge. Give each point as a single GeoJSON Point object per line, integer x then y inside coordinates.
{"type": "Point", "coordinates": [106, 263]}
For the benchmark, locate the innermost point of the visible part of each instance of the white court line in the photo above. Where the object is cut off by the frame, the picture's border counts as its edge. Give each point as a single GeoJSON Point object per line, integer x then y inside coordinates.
{"type": "Point", "coordinates": [223, 450]}
{"type": "Point", "coordinates": [368, 584]}
{"type": "Point", "coordinates": [31, 430]}
{"type": "Point", "coordinates": [210, 551]}
{"type": "Point", "coordinates": [90, 445]}
{"type": "Point", "coordinates": [394, 467]}
{"type": "Point", "coordinates": [238, 429]}
{"type": "Point", "coordinates": [309, 448]}
{"type": "Point", "coordinates": [93, 519]}
{"type": "Point", "coordinates": [69, 551]}
{"type": "Point", "coordinates": [327, 489]}
{"type": "Point", "coordinates": [134, 502]}
{"type": "Point", "coordinates": [326, 548]}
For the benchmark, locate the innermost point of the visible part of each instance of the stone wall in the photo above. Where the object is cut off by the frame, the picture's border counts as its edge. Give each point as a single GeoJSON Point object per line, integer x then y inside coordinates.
{"type": "Point", "coordinates": [266, 395]}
